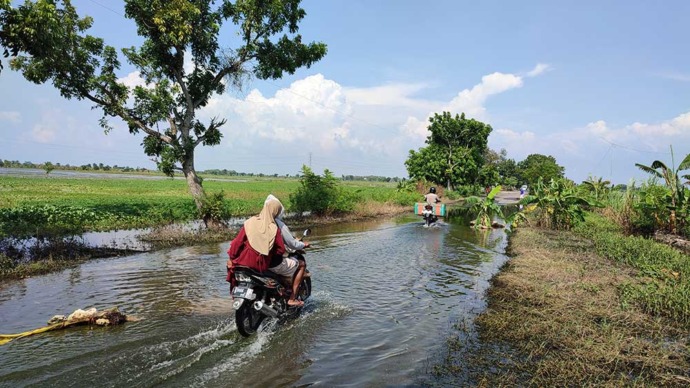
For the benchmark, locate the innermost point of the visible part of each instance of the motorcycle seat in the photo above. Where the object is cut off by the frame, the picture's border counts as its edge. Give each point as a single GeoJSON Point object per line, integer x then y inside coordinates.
{"type": "Point", "coordinates": [251, 271]}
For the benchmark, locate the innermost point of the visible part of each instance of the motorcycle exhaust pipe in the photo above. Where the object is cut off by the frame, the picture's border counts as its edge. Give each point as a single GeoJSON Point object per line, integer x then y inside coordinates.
{"type": "Point", "coordinates": [261, 306]}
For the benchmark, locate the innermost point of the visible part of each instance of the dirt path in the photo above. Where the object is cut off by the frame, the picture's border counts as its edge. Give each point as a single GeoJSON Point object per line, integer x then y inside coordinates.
{"type": "Point", "coordinates": [508, 197]}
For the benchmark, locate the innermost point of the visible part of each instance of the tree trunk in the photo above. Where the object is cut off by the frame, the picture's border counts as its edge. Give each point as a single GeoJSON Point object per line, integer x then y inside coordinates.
{"type": "Point", "coordinates": [197, 191]}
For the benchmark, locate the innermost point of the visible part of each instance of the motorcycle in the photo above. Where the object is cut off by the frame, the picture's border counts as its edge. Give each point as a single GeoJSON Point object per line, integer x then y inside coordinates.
{"type": "Point", "coordinates": [428, 215]}
{"type": "Point", "coordinates": [260, 295]}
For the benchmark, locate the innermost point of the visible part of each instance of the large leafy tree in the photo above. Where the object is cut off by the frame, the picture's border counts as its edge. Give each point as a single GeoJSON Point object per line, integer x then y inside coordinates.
{"type": "Point", "coordinates": [429, 163]}
{"type": "Point", "coordinates": [498, 168]}
{"type": "Point", "coordinates": [454, 152]}
{"type": "Point", "coordinates": [537, 166]}
{"type": "Point", "coordinates": [182, 62]}
{"type": "Point", "coordinates": [508, 170]}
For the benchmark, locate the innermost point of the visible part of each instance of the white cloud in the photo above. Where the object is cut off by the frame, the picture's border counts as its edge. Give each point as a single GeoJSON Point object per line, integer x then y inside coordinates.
{"type": "Point", "coordinates": [388, 95]}
{"type": "Point", "coordinates": [45, 130]}
{"type": "Point", "coordinates": [520, 144]}
{"type": "Point", "coordinates": [132, 79]}
{"type": "Point", "coordinates": [539, 69]}
{"type": "Point", "coordinates": [599, 149]}
{"type": "Point", "coordinates": [471, 101]}
{"type": "Point", "coordinates": [13, 117]}
{"type": "Point", "coordinates": [675, 76]}
{"type": "Point", "coordinates": [318, 115]}
{"type": "Point", "coordinates": [313, 111]}
{"type": "Point", "coordinates": [43, 133]}
{"type": "Point", "coordinates": [415, 127]}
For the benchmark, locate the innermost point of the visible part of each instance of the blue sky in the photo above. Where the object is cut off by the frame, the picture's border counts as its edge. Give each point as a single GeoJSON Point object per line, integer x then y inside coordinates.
{"type": "Point", "coordinates": [598, 85]}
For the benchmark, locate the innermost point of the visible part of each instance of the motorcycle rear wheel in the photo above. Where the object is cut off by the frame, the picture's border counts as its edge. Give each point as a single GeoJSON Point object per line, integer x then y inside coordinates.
{"type": "Point", "coordinates": [304, 289]}
{"type": "Point", "coordinates": [248, 319]}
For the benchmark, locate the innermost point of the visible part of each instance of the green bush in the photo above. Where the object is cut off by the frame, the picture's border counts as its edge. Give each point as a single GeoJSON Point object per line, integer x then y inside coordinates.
{"type": "Point", "coordinates": [322, 195]}
{"type": "Point", "coordinates": [651, 209]}
{"type": "Point", "coordinates": [453, 195]}
{"type": "Point", "coordinates": [6, 265]}
{"type": "Point", "coordinates": [214, 208]}
{"type": "Point", "coordinates": [468, 190]}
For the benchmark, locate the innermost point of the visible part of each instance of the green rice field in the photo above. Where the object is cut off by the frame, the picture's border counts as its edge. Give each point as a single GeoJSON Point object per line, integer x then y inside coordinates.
{"type": "Point", "coordinates": [47, 204]}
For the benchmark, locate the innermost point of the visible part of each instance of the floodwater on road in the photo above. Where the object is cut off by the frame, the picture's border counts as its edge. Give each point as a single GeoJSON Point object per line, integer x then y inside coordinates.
{"type": "Point", "coordinates": [386, 295]}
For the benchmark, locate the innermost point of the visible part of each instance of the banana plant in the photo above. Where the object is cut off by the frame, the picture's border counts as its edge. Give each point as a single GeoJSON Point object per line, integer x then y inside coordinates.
{"type": "Point", "coordinates": [677, 196]}
{"type": "Point", "coordinates": [485, 208]}
{"type": "Point", "coordinates": [559, 203]}
{"type": "Point", "coordinates": [597, 186]}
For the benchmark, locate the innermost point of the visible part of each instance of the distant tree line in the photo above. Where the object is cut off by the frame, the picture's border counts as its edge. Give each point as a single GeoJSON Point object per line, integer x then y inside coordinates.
{"type": "Point", "coordinates": [373, 178]}
{"type": "Point", "coordinates": [226, 172]}
{"type": "Point", "coordinates": [50, 166]}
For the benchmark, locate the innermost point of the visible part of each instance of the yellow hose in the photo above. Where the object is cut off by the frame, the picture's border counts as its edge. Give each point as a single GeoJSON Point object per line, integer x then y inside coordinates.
{"type": "Point", "coordinates": [5, 338]}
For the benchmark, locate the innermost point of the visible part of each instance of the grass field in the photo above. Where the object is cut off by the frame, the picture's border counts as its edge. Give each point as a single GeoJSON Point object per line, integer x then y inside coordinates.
{"type": "Point", "coordinates": [35, 205]}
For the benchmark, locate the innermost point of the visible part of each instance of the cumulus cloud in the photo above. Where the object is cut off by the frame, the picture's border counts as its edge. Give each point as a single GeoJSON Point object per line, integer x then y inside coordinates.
{"type": "Point", "coordinates": [132, 80]}
{"type": "Point", "coordinates": [320, 115]}
{"type": "Point", "coordinates": [654, 134]}
{"type": "Point", "coordinates": [313, 112]}
{"type": "Point", "coordinates": [13, 116]}
{"type": "Point", "coordinates": [471, 101]}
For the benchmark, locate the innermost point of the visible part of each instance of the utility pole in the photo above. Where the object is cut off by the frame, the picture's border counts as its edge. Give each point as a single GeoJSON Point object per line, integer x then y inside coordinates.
{"type": "Point", "coordinates": [309, 159]}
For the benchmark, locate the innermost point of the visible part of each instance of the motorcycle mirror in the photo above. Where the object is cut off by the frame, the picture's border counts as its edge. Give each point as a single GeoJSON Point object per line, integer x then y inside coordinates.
{"type": "Point", "coordinates": [307, 232]}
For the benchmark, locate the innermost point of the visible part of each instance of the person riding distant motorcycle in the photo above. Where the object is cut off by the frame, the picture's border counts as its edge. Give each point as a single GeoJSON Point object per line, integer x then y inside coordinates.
{"type": "Point", "coordinates": [431, 200]}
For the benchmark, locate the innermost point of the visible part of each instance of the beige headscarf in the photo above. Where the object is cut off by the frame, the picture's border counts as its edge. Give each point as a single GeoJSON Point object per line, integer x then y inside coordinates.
{"type": "Point", "coordinates": [261, 230]}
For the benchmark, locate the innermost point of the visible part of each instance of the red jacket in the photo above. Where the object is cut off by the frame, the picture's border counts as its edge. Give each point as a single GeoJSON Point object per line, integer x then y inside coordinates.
{"type": "Point", "coordinates": [241, 253]}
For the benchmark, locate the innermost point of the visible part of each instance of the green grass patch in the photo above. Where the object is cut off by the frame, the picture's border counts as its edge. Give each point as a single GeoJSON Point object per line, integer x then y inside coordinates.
{"type": "Point", "coordinates": [556, 317]}
{"type": "Point", "coordinates": [663, 272]}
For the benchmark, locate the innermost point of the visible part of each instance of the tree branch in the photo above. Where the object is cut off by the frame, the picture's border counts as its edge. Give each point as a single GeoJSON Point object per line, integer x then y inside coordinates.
{"type": "Point", "coordinates": [189, 114]}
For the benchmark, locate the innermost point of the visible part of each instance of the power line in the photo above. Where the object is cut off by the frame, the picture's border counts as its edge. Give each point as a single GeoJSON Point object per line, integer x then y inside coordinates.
{"type": "Point", "coordinates": [108, 8]}
{"type": "Point", "coordinates": [602, 158]}
{"type": "Point", "coordinates": [630, 148]}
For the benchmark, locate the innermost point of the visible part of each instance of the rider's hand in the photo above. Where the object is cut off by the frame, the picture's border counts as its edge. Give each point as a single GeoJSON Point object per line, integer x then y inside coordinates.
{"type": "Point", "coordinates": [306, 244]}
